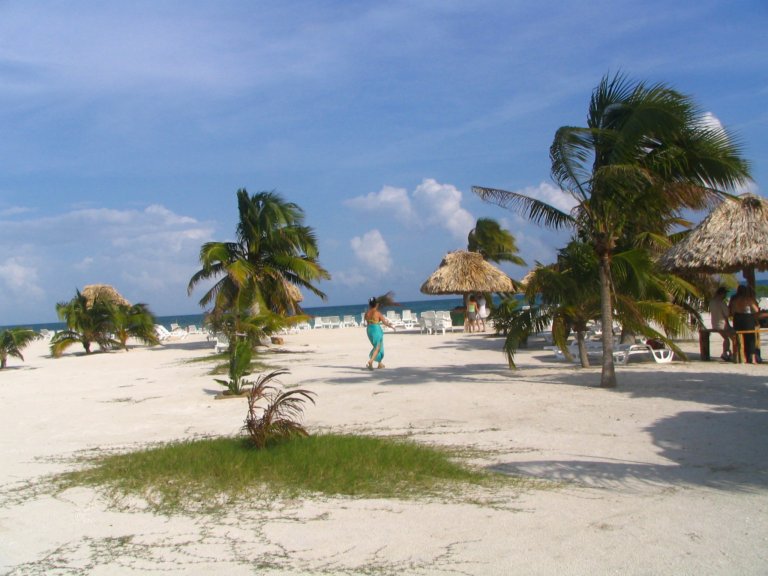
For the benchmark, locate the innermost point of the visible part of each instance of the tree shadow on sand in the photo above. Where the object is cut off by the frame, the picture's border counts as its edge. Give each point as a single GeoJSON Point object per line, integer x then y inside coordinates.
{"type": "Point", "coordinates": [722, 447]}
{"type": "Point", "coordinates": [722, 450]}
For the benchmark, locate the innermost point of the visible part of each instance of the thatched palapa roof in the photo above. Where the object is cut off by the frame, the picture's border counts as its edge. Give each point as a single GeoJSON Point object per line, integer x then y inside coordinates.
{"type": "Point", "coordinates": [734, 237]}
{"type": "Point", "coordinates": [462, 272]}
{"type": "Point", "coordinates": [103, 292]}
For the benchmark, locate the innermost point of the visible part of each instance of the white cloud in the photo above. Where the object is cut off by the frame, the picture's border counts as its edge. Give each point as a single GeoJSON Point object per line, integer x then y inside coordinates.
{"type": "Point", "coordinates": [440, 205]}
{"type": "Point", "coordinates": [148, 254]}
{"type": "Point", "coordinates": [13, 211]}
{"type": "Point", "coordinates": [371, 250]}
{"type": "Point", "coordinates": [19, 280]}
{"type": "Point", "coordinates": [431, 204]}
{"type": "Point", "coordinates": [389, 201]}
{"type": "Point", "coordinates": [85, 263]}
{"type": "Point", "coordinates": [709, 120]}
{"type": "Point", "coordinates": [551, 195]}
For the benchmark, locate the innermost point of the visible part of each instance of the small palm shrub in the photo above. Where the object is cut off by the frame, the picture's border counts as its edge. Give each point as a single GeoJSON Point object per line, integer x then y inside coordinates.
{"type": "Point", "coordinates": [239, 367]}
{"type": "Point", "coordinates": [12, 341]}
{"type": "Point", "coordinates": [280, 419]}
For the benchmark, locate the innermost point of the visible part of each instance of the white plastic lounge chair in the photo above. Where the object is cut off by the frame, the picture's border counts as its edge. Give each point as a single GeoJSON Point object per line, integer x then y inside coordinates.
{"type": "Point", "coordinates": [332, 322]}
{"type": "Point", "coordinates": [177, 331]}
{"type": "Point", "coordinates": [349, 321]}
{"type": "Point", "coordinates": [443, 321]}
{"type": "Point", "coordinates": [622, 353]}
{"type": "Point", "coordinates": [221, 344]}
{"type": "Point", "coordinates": [594, 348]}
{"type": "Point", "coordinates": [162, 332]}
{"type": "Point", "coordinates": [427, 322]}
{"type": "Point", "coordinates": [319, 322]}
{"type": "Point", "coordinates": [395, 319]}
{"type": "Point", "coordinates": [409, 319]}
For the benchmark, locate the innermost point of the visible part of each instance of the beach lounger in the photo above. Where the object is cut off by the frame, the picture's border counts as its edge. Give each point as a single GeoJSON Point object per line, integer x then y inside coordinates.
{"type": "Point", "coordinates": [162, 332]}
{"type": "Point", "coordinates": [177, 331]}
{"type": "Point", "coordinates": [623, 352]}
{"type": "Point", "coordinates": [409, 319]}
{"type": "Point", "coordinates": [221, 344]}
{"type": "Point", "coordinates": [427, 322]}
{"type": "Point", "coordinates": [395, 319]}
{"type": "Point", "coordinates": [332, 322]}
{"type": "Point", "coordinates": [443, 321]}
{"type": "Point", "coordinates": [349, 321]}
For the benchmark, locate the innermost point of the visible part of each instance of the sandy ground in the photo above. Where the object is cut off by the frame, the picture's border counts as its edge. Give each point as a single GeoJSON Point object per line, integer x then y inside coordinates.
{"type": "Point", "coordinates": [668, 474]}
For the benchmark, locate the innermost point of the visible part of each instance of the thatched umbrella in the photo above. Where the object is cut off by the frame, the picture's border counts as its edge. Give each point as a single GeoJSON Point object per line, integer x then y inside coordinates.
{"type": "Point", "coordinates": [734, 237]}
{"type": "Point", "coordinates": [463, 272]}
{"type": "Point", "coordinates": [105, 292]}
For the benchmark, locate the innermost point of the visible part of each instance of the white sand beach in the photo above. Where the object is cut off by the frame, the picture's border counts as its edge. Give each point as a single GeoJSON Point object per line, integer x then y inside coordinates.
{"type": "Point", "coordinates": [667, 474]}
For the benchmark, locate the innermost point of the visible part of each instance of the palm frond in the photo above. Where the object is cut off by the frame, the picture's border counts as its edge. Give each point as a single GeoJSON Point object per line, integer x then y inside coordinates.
{"type": "Point", "coordinates": [535, 210]}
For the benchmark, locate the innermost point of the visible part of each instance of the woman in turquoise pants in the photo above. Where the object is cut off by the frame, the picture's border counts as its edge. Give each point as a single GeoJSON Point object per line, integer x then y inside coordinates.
{"type": "Point", "coordinates": [374, 319]}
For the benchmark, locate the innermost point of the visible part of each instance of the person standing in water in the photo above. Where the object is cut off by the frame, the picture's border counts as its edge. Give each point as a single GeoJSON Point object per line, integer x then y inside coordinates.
{"type": "Point", "coordinates": [374, 319]}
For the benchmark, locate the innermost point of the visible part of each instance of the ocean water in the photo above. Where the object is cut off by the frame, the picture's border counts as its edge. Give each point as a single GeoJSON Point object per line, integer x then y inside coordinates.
{"type": "Point", "coordinates": [184, 320]}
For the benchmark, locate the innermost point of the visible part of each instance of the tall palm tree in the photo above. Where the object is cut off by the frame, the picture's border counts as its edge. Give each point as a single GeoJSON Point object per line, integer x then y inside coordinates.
{"type": "Point", "coordinates": [273, 250]}
{"type": "Point", "coordinates": [645, 156]}
{"type": "Point", "coordinates": [13, 341]}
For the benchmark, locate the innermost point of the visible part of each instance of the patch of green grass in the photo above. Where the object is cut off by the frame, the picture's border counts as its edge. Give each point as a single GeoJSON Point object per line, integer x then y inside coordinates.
{"type": "Point", "coordinates": [205, 473]}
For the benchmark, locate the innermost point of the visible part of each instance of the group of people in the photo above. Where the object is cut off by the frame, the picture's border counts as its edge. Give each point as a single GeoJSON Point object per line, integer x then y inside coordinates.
{"type": "Point", "coordinates": [742, 312]}
{"type": "Point", "coordinates": [477, 312]}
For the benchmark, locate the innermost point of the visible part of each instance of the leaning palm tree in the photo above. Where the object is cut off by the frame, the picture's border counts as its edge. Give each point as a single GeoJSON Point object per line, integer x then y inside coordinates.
{"type": "Point", "coordinates": [13, 341]}
{"type": "Point", "coordinates": [274, 252]}
{"type": "Point", "coordinates": [645, 156]}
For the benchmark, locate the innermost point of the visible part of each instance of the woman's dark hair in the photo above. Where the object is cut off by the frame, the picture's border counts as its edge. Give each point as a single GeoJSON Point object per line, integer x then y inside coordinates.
{"type": "Point", "coordinates": [372, 302]}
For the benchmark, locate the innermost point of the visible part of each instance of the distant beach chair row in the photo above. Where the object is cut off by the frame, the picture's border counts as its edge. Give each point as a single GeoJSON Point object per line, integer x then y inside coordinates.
{"type": "Point", "coordinates": [334, 321]}
{"type": "Point", "coordinates": [430, 322]}
{"type": "Point", "coordinates": [621, 352]}
{"type": "Point", "coordinates": [177, 331]}
{"type": "Point", "coordinates": [433, 321]}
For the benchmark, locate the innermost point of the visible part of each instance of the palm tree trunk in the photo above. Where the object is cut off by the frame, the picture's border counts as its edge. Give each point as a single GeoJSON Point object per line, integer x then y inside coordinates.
{"type": "Point", "coordinates": [583, 356]}
{"type": "Point", "coordinates": [608, 375]}
{"type": "Point", "coordinates": [749, 276]}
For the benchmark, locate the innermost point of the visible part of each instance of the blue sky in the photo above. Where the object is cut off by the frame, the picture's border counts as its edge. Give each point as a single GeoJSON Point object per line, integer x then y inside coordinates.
{"type": "Point", "coordinates": [127, 127]}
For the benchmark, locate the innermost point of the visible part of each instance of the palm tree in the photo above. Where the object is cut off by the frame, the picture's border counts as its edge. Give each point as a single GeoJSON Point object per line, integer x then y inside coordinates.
{"type": "Point", "coordinates": [133, 321]}
{"type": "Point", "coordinates": [13, 341]}
{"type": "Point", "coordinates": [645, 156]}
{"type": "Point", "coordinates": [494, 242]}
{"type": "Point", "coordinates": [85, 324]}
{"type": "Point", "coordinates": [274, 252]}
{"type": "Point", "coordinates": [569, 292]}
